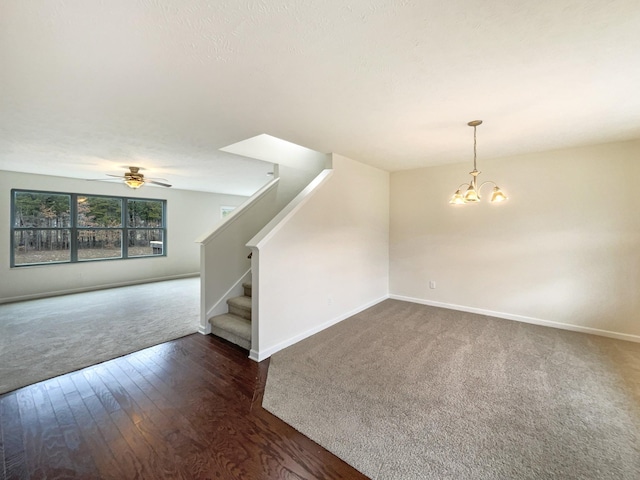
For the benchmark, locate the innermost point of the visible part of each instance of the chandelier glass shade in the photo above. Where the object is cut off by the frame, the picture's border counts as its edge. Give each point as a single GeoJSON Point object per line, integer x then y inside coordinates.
{"type": "Point", "coordinates": [134, 182]}
{"type": "Point", "coordinates": [472, 192]}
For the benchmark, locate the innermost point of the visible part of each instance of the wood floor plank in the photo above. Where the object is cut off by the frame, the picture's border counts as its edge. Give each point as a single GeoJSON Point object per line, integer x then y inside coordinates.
{"type": "Point", "coordinates": [15, 462]}
{"type": "Point", "coordinates": [206, 392]}
{"type": "Point", "coordinates": [77, 448]}
{"type": "Point", "coordinates": [80, 384]}
{"type": "Point", "coordinates": [173, 427]}
{"type": "Point", "coordinates": [100, 452]}
{"type": "Point", "coordinates": [31, 430]}
{"type": "Point", "coordinates": [107, 399]}
{"type": "Point", "coordinates": [138, 425]}
{"type": "Point", "coordinates": [186, 409]}
{"type": "Point", "coordinates": [55, 453]}
{"type": "Point", "coordinates": [179, 369]}
{"type": "Point", "coordinates": [3, 461]}
{"type": "Point", "coordinates": [127, 458]}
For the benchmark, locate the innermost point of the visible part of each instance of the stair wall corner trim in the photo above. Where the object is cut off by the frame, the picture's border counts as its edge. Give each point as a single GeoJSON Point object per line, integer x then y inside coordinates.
{"type": "Point", "coordinates": [205, 330]}
{"type": "Point", "coordinates": [238, 212]}
{"type": "Point", "coordinates": [289, 210]}
{"type": "Point", "coordinates": [258, 356]}
{"type": "Point", "coordinates": [253, 355]}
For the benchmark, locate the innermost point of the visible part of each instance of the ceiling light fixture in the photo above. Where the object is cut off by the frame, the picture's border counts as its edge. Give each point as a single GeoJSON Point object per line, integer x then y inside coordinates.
{"type": "Point", "coordinates": [133, 178]}
{"type": "Point", "coordinates": [134, 182]}
{"type": "Point", "coordinates": [472, 195]}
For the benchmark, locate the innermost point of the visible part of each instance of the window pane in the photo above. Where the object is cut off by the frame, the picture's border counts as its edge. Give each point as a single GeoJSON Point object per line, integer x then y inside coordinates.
{"type": "Point", "coordinates": [145, 242]}
{"type": "Point", "coordinates": [97, 244]}
{"type": "Point", "coordinates": [144, 213]}
{"type": "Point", "coordinates": [226, 211]}
{"type": "Point", "coordinates": [99, 211]}
{"type": "Point", "coordinates": [48, 210]}
{"type": "Point", "coordinates": [41, 246]}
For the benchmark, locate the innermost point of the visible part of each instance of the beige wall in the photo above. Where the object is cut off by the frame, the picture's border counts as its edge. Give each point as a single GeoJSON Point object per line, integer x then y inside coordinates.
{"type": "Point", "coordinates": [565, 248]}
{"type": "Point", "coordinates": [327, 259]}
{"type": "Point", "coordinates": [189, 215]}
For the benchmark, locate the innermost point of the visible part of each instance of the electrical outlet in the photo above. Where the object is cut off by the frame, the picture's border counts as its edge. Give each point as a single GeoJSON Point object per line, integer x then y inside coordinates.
{"type": "Point", "coordinates": [432, 284]}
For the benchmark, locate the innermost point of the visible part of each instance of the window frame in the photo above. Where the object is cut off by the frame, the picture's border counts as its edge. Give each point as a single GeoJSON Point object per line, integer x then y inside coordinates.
{"type": "Point", "coordinates": [74, 228]}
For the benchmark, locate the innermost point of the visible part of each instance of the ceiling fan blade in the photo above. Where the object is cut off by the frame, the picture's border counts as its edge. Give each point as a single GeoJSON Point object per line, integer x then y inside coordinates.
{"type": "Point", "coordinates": [149, 179]}
{"type": "Point", "coordinates": [103, 179]}
{"type": "Point", "coordinates": [117, 176]}
{"type": "Point", "coordinates": [158, 183]}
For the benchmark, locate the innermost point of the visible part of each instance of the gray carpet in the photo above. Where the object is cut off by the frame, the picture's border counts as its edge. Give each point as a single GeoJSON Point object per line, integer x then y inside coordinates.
{"type": "Point", "coordinates": [405, 391]}
{"type": "Point", "coordinates": [42, 338]}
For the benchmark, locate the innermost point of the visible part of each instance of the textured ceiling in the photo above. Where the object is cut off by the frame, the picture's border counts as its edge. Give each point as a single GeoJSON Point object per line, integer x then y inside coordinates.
{"type": "Point", "coordinates": [89, 86]}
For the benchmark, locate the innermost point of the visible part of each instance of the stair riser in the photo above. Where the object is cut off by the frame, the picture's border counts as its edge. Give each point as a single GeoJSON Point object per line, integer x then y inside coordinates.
{"type": "Point", "coordinates": [240, 312]}
{"type": "Point", "coordinates": [247, 291]}
{"type": "Point", "coordinates": [230, 337]}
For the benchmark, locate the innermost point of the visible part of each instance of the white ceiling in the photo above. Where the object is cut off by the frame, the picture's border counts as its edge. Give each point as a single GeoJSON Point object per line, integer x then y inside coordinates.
{"type": "Point", "coordinates": [88, 86]}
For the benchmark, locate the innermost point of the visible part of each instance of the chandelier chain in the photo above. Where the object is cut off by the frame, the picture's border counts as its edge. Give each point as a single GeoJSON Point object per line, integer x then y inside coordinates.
{"type": "Point", "coordinates": [474, 148]}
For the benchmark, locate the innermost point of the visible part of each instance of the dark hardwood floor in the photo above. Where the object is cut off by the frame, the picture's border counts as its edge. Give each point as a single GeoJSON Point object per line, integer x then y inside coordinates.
{"type": "Point", "coordinates": [189, 408]}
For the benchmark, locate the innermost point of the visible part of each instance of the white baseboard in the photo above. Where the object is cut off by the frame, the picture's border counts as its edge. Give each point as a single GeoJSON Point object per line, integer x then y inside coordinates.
{"type": "Point", "coordinates": [522, 318]}
{"type": "Point", "coordinates": [258, 356]}
{"type": "Point", "coordinates": [253, 355]}
{"type": "Point", "coordinates": [57, 293]}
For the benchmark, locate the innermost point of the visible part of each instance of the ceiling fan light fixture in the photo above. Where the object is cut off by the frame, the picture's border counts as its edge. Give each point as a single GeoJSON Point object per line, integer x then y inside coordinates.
{"type": "Point", "coordinates": [134, 182]}
{"type": "Point", "coordinates": [134, 179]}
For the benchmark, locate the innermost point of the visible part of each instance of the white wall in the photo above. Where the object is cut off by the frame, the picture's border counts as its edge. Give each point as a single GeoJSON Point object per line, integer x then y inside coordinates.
{"type": "Point", "coordinates": [326, 260]}
{"type": "Point", "coordinates": [224, 261]}
{"type": "Point", "coordinates": [189, 215]}
{"type": "Point", "coordinates": [223, 253]}
{"type": "Point", "coordinates": [564, 248]}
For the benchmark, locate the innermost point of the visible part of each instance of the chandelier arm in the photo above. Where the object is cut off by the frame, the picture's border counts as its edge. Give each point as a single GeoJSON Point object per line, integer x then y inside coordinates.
{"type": "Point", "coordinates": [484, 183]}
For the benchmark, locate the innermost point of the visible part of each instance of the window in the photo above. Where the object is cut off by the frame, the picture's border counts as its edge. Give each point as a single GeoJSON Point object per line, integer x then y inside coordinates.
{"type": "Point", "coordinates": [51, 227]}
{"type": "Point", "coordinates": [226, 211]}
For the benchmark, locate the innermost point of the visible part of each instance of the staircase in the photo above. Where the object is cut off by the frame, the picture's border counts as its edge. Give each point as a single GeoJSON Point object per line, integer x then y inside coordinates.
{"type": "Point", "coordinates": [235, 326]}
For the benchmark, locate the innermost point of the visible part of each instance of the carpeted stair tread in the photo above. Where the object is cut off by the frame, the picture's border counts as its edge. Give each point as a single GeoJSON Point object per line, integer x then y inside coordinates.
{"type": "Point", "coordinates": [240, 306]}
{"type": "Point", "coordinates": [243, 302]}
{"type": "Point", "coordinates": [247, 288]}
{"type": "Point", "coordinates": [232, 328]}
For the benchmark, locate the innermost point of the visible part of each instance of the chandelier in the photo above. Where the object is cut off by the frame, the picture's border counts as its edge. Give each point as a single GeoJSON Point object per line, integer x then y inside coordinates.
{"type": "Point", "coordinates": [472, 194]}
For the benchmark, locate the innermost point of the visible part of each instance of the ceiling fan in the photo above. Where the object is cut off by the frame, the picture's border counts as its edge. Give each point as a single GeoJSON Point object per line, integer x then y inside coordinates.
{"type": "Point", "coordinates": [134, 179]}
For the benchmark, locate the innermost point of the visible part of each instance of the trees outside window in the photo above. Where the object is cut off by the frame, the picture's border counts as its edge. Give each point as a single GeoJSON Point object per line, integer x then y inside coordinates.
{"type": "Point", "coordinates": [41, 230]}
{"type": "Point", "coordinates": [51, 227]}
